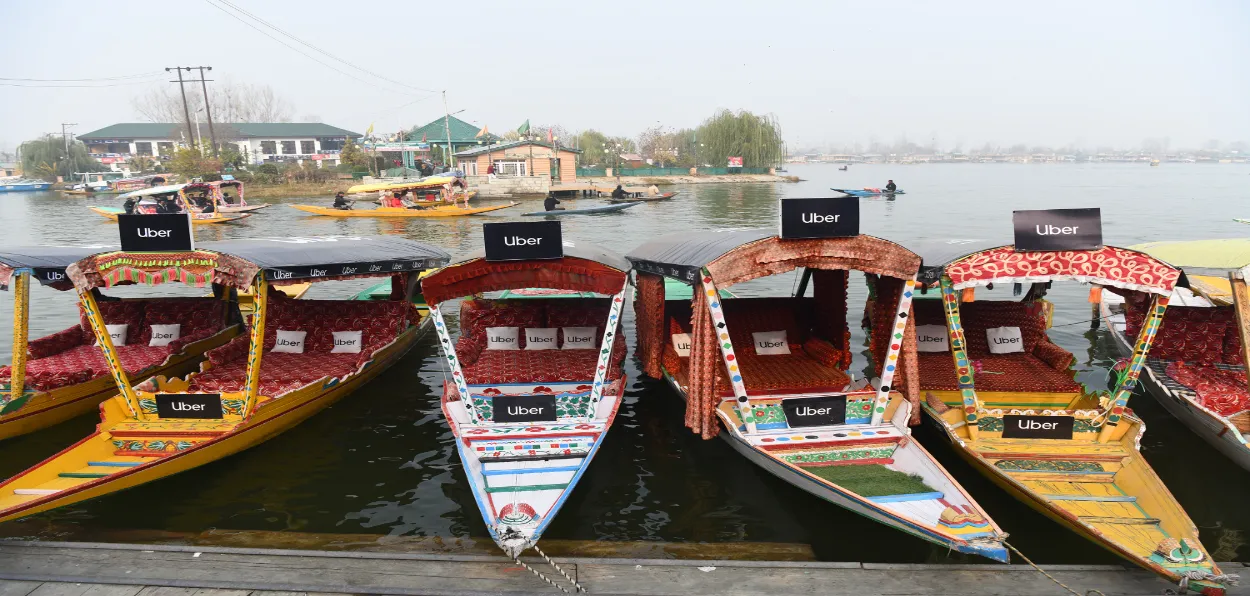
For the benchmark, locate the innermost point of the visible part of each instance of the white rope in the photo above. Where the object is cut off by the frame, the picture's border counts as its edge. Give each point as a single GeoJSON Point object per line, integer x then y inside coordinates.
{"type": "Point", "coordinates": [572, 581]}
{"type": "Point", "coordinates": [1229, 579]}
{"type": "Point", "coordinates": [540, 575]}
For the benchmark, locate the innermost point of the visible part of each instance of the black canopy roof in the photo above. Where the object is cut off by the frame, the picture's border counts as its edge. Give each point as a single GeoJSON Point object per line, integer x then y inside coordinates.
{"type": "Point", "coordinates": [581, 250]}
{"type": "Point", "coordinates": [332, 256]}
{"type": "Point", "coordinates": [49, 262]}
{"type": "Point", "coordinates": [683, 254]}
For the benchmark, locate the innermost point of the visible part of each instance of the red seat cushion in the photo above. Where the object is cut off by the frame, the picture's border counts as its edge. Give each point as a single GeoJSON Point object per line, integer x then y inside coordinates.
{"type": "Point", "coordinates": [85, 362]}
{"type": "Point", "coordinates": [1223, 391]}
{"type": "Point", "coordinates": [536, 366]}
{"type": "Point", "coordinates": [1021, 372]}
{"type": "Point", "coordinates": [198, 317]}
{"type": "Point", "coordinates": [279, 372]}
{"type": "Point", "coordinates": [116, 312]}
{"type": "Point", "coordinates": [937, 371]}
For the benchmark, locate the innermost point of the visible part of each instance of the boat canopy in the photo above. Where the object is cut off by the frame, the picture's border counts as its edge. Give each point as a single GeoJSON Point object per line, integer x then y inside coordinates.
{"type": "Point", "coordinates": [237, 263]}
{"type": "Point", "coordinates": [980, 265]}
{"type": "Point", "coordinates": [153, 191]}
{"type": "Point", "coordinates": [584, 268]}
{"type": "Point", "coordinates": [1212, 258]}
{"type": "Point", "coordinates": [735, 256]}
{"type": "Point", "coordinates": [46, 263]}
{"type": "Point", "coordinates": [430, 182]}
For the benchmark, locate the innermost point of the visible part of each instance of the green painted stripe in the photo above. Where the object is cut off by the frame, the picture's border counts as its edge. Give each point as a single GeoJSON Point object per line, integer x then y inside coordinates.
{"type": "Point", "coordinates": [82, 475]}
{"type": "Point", "coordinates": [523, 489]}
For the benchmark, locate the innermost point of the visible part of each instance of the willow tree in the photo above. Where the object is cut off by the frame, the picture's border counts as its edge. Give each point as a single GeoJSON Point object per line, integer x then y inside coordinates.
{"type": "Point", "coordinates": [756, 139]}
{"type": "Point", "coordinates": [47, 158]}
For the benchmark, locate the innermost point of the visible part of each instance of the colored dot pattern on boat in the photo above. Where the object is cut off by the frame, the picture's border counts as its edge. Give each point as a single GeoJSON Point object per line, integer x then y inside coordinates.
{"type": "Point", "coordinates": [967, 388]}
{"type": "Point", "coordinates": [891, 357]}
{"type": "Point", "coordinates": [745, 411]}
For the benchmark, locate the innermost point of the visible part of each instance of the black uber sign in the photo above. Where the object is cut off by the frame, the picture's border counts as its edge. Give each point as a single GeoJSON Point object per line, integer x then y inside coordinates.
{"type": "Point", "coordinates": [159, 232]}
{"type": "Point", "coordinates": [524, 408]}
{"type": "Point", "coordinates": [1037, 427]}
{"type": "Point", "coordinates": [189, 405]}
{"type": "Point", "coordinates": [815, 411]}
{"type": "Point", "coordinates": [523, 240]}
{"type": "Point", "coordinates": [828, 217]}
{"type": "Point", "coordinates": [1058, 229]}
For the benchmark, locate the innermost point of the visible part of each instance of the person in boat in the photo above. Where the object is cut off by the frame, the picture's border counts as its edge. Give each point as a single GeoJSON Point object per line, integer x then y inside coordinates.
{"type": "Point", "coordinates": [618, 192]}
{"type": "Point", "coordinates": [341, 202]}
{"type": "Point", "coordinates": [653, 191]}
{"type": "Point", "coordinates": [225, 198]}
{"type": "Point", "coordinates": [549, 204]}
{"type": "Point", "coordinates": [890, 186]}
{"type": "Point", "coordinates": [129, 205]}
{"type": "Point", "coordinates": [165, 204]}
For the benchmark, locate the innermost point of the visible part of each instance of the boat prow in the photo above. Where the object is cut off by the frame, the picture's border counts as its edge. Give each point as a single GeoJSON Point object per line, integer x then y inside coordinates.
{"type": "Point", "coordinates": [439, 211]}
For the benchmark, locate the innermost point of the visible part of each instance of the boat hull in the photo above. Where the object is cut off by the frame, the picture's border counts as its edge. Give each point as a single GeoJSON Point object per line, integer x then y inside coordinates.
{"type": "Point", "coordinates": [587, 211]}
{"type": "Point", "coordinates": [24, 187]}
{"type": "Point", "coordinates": [645, 199]}
{"type": "Point", "coordinates": [441, 211]}
{"type": "Point", "coordinates": [270, 419]}
{"type": "Point", "coordinates": [111, 214]}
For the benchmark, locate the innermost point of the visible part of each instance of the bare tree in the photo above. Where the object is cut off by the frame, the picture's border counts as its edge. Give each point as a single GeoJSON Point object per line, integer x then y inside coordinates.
{"type": "Point", "coordinates": [231, 102]}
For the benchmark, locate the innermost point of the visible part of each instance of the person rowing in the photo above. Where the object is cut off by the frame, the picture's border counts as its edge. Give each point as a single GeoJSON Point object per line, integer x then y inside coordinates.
{"type": "Point", "coordinates": [549, 204]}
{"type": "Point", "coordinates": [653, 191]}
{"type": "Point", "coordinates": [341, 202]}
{"type": "Point", "coordinates": [890, 186]}
{"type": "Point", "coordinates": [618, 192]}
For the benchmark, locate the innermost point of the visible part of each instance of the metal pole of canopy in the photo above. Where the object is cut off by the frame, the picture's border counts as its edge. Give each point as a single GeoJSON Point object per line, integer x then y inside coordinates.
{"type": "Point", "coordinates": [895, 335]}
{"type": "Point", "coordinates": [605, 351]}
{"type": "Point", "coordinates": [963, 366]}
{"type": "Point", "coordinates": [1241, 304]}
{"type": "Point", "coordinates": [1142, 347]}
{"type": "Point", "coordinates": [803, 281]}
{"type": "Point", "coordinates": [256, 342]}
{"type": "Point", "coordinates": [110, 351]}
{"type": "Point", "coordinates": [21, 331]}
{"type": "Point", "coordinates": [457, 375]}
{"type": "Point", "coordinates": [719, 329]}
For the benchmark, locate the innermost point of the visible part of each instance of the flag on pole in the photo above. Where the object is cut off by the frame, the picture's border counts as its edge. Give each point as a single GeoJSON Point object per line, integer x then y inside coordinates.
{"type": "Point", "coordinates": [367, 132]}
{"type": "Point", "coordinates": [423, 140]}
{"type": "Point", "coordinates": [524, 129]}
{"type": "Point", "coordinates": [550, 138]}
{"type": "Point", "coordinates": [481, 133]}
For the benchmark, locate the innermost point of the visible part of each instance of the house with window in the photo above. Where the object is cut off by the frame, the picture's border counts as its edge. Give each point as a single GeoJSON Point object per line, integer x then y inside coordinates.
{"type": "Point", "coordinates": [463, 135]}
{"type": "Point", "coordinates": [258, 142]}
{"type": "Point", "coordinates": [521, 159]}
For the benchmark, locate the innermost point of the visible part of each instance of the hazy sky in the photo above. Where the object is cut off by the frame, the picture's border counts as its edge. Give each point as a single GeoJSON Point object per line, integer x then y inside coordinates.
{"type": "Point", "coordinates": [1056, 72]}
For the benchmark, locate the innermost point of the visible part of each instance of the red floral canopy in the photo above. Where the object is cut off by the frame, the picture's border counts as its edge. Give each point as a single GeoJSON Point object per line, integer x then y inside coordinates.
{"type": "Point", "coordinates": [1107, 266]}
{"type": "Point", "coordinates": [479, 275]}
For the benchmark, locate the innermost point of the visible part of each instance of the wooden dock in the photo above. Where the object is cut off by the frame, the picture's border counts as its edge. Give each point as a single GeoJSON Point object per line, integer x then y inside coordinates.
{"type": "Point", "coordinates": [99, 569]}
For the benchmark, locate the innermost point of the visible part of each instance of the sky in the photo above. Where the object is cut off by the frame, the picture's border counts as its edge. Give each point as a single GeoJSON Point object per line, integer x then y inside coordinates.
{"type": "Point", "coordinates": [1087, 73]}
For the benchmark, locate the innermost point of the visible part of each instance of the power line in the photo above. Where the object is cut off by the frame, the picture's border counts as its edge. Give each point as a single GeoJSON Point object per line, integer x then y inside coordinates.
{"type": "Point", "coordinates": [319, 50]}
{"type": "Point", "coordinates": [301, 52]}
{"type": "Point", "coordinates": [117, 78]}
{"type": "Point", "coordinates": [146, 82]}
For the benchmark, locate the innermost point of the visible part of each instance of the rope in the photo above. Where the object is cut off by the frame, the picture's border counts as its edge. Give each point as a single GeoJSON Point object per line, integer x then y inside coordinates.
{"type": "Point", "coordinates": [1049, 576]}
{"type": "Point", "coordinates": [1229, 579]}
{"type": "Point", "coordinates": [572, 581]}
{"type": "Point", "coordinates": [540, 575]}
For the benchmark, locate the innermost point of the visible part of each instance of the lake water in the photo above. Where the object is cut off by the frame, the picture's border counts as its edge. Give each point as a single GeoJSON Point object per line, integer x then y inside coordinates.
{"type": "Point", "coordinates": [382, 461]}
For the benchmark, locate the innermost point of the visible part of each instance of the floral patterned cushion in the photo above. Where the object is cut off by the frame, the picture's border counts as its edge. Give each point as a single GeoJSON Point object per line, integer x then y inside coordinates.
{"type": "Point", "coordinates": [199, 317]}
{"type": "Point", "coordinates": [115, 312]}
{"type": "Point", "coordinates": [1223, 391]}
{"type": "Point", "coordinates": [746, 316]}
{"type": "Point", "coordinates": [999, 372]}
{"type": "Point", "coordinates": [85, 362]}
{"type": "Point", "coordinates": [541, 366]}
{"type": "Point", "coordinates": [279, 372]}
{"type": "Point", "coordinates": [988, 314]}
{"type": "Point", "coordinates": [476, 315]}
{"type": "Point", "coordinates": [580, 312]}
{"type": "Point", "coordinates": [56, 343]}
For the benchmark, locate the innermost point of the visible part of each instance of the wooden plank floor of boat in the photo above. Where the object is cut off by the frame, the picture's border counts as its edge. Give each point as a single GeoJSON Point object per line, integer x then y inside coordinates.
{"type": "Point", "coordinates": [95, 569]}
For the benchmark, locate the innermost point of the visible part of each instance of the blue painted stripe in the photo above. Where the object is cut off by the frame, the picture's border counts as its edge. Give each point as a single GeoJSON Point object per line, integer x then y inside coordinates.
{"type": "Point", "coordinates": [902, 498]}
{"type": "Point", "coordinates": [115, 464]}
{"type": "Point", "coordinates": [1116, 499]}
{"type": "Point", "coordinates": [527, 470]}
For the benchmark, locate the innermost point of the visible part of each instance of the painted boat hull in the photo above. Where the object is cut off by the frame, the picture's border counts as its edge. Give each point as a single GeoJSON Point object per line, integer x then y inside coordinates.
{"type": "Point", "coordinates": [441, 211]}
{"type": "Point", "coordinates": [586, 211]}
{"type": "Point", "coordinates": [111, 213]}
{"type": "Point", "coordinates": [1213, 428]}
{"type": "Point", "coordinates": [645, 199]}
{"type": "Point", "coordinates": [24, 187]}
{"type": "Point", "coordinates": [269, 419]}
{"type": "Point", "coordinates": [866, 193]}
{"type": "Point", "coordinates": [242, 209]}
{"type": "Point", "coordinates": [46, 408]}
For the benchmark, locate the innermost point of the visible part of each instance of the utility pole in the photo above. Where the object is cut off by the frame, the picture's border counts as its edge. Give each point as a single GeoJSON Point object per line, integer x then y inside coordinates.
{"type": "Point", "coordinates": [447, 126]}
{"type": "Point", "coordinates": [208, 110]}
{"type": "Point", "coordinates": [185, 110]}
{"type": "Point", "coordinates": [65, 140]}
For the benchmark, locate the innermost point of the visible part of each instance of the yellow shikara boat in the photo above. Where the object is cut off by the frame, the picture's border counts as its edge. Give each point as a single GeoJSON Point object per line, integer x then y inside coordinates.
{"type": "Point", "coordinates": [198, 219]}
{"type": "Point", "coordinates": [434, 190]}
{"type": "Point", "coordinates": [439, 211]}
{"type": "Point", "coordinates": [246, 392]}
{"type": "Point", "coordinates": [1005, 396]}
{"type": "Point", "coordinates": [61, 376]}
{"type": "Point", "coordinates": [145, 201]}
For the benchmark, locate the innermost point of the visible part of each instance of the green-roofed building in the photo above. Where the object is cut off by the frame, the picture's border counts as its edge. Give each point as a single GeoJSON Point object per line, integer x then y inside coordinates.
{"type": "Point", "coordinates": [258, 141]}
{"type": "Point", "coordinates": [463, 134]}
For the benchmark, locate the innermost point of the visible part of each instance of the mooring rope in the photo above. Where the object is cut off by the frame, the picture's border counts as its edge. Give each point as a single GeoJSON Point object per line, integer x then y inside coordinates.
{"type": "Point", "coordinates": [1229, 579]}
{"type": "Point", "coordinates": [572, 581]}
{"type": "Point", "coordinates": [540, 575]}
{"type": "Point", "coordinates": [1049, 576]}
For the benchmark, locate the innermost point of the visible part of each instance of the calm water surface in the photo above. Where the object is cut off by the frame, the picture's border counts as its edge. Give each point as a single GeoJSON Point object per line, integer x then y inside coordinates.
{"type": "Point", "coordinates": [382, 461]}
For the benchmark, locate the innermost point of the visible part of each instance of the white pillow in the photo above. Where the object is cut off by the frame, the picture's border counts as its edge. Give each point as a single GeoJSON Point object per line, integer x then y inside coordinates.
{"type": "Point", "coordinates": [502, 338]}
{"type": "Point", "coordinates": [932, 338]}
{"type": "Point", "coordinates": [579, 338]}
{"type": "Point", "coordinates": [771, 343]}
{"type": "Point", "coordinates": [291, 342]}
{"type": "Point", "coordinates": [347, 342]}
{"type": "Point", "coordinates": [540, 338]}
{"type": "Point", "coordinates": [681, 343]}
{"type": "Point", "coordinates": [1005, 340]}
{"type": "Point", "coordinates": [118, 333]}
{"type": "Point", "coordinates": [163, 335]}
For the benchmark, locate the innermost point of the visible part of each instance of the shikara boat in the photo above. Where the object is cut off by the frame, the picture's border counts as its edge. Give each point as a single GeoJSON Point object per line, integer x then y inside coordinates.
{"type": "Point", "coordinates": [297, 358]}
{"type": "Point", "coordinates": [1018, 415]}
{"type": "Point", "coordinates": [144, 201]}
{"type": "Point", "coordinates": [1196, 368]}
{"type": "Point", "coordinates": [226, 195]}
{"type": "Point", "coordinates": [867, 192]}
{"type": "Point", "coordinates": [528, 421]}
{"type": "Point", "coordinates": [644, 197]}
{"type": "Point", "coordinates": [433, 190]}
{"type": "Point", "coordinates": [584, 211]}
{"type": "Point", "coordinates": [771, 375]}
{"type": "Point", "coordinates": [54, 378]}
{"type": "Point", "coordinates": [437, 211]}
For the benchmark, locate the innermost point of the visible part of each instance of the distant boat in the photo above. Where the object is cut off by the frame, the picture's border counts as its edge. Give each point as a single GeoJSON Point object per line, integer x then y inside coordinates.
{"type": "Point", "coordinates": [1154, 162]}
{"type": "Point", "coordinates": [23, 185]}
